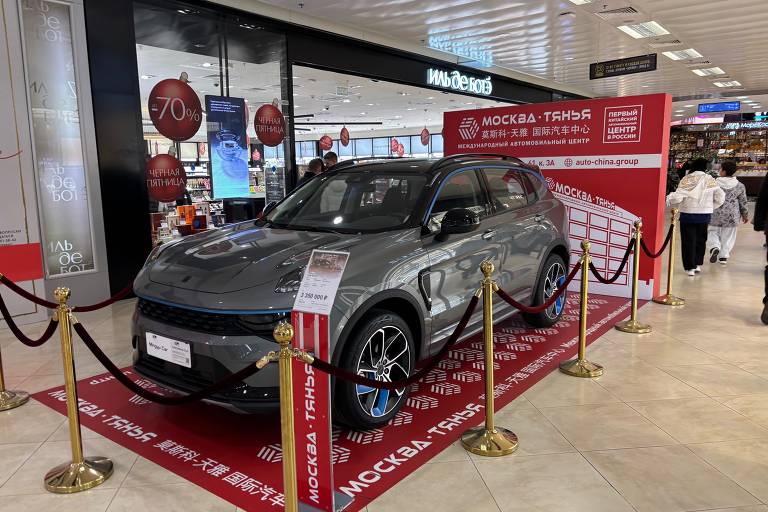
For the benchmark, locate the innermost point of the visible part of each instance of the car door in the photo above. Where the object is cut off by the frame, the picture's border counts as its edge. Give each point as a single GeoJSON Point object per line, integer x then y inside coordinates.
{"type": "Point", "coordinates": [516, 222]}
{"type": "Point", "coordinates": [454, 271]}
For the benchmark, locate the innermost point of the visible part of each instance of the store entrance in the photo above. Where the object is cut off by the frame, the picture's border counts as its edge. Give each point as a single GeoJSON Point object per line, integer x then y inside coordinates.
{"type": "Point", "coordinates": [357, 117]}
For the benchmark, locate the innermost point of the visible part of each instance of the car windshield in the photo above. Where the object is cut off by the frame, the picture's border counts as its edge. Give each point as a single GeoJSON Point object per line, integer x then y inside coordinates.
{"type": "Point", "coordinates": [353, 201]}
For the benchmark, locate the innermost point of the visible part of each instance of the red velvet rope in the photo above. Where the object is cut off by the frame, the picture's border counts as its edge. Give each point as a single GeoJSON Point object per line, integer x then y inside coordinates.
{"type": "Point", "coordinates": [543, 307]}
{"type": "Point", "coordinates": [24, 293]}
{"type": "Point", "coordinates": [49, 331]}
{"type": "Point", "coordinates": [427, 366]}
{"type": "Point", "coordinates": [624, 260]}
{"type": "Point", "coordinates": [52, 305]}
{"type": "Point", "coordinates": [225, 383]}
{"type": "Point", "coordinates": [655, 255]}
{"type": "Point", "coordinates": [118, 296]}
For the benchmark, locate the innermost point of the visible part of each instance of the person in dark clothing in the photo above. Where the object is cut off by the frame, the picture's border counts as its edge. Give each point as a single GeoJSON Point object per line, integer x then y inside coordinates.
{"type": "Point", "coordinates": [315, 167]}
{"type": "Point", "coordinates": [330, 159]}
{"type": "Point", "coordinates": [761, 224]}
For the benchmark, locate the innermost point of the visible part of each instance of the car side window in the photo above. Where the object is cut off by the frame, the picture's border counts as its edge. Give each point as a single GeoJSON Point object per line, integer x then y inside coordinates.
{"type": "Point", "coordinates": [461, 190]}
{"type": "Point", "coordinates": [507, 188]}
{"type": "Point", "coordinates": [530, 187]}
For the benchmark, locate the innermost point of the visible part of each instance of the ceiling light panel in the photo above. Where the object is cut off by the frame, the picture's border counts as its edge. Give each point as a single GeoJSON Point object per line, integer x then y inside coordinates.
{"type": "Point", "coordinates": [690, 53]}
{"type": "Point", "coordinates": [643, 30]}
{"type": "Point", "coordinates": [709, 71]}
{"type": "Point", "coordinates": [732, 83]}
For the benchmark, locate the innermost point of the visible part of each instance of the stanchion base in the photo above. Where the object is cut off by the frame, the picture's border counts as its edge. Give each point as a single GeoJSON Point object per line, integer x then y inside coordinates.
{"type": "Point", "coordinates": [12, 399]}
{"type": "Point", "coordinates": [633, 327]}
{"type": "Point", "coordinates": [581, 368]}
{"type": "Point", "coordinates": [75, 477]}
{"type": "Point", "coordinates": [669, 300]}
{"type": "Point", "coordinates": [490, 443]}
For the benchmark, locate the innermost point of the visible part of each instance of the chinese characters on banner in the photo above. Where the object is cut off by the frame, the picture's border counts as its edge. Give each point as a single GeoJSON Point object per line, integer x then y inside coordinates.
{"type": "Point", "coordinates": [311, 389]}
{"type": "Point", "coordinates": [605, 159]}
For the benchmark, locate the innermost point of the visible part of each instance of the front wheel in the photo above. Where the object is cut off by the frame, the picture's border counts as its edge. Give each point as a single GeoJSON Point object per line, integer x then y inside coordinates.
{"type": "Point", "coordinates": [551, 280]}
{"type": "Point", "coordinates": [381, 348]}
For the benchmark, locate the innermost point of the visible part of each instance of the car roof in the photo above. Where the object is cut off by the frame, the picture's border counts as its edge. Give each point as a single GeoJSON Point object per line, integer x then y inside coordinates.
{"type": "Point", "coordinates": [429, 166]}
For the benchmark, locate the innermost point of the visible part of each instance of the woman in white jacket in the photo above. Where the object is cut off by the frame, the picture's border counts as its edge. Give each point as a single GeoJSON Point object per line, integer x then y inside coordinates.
{"type": "Point", "coordinates": [697, 196]}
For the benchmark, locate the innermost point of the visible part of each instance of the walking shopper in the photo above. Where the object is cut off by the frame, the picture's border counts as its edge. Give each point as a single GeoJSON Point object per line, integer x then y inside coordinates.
{"type": "Point", "coordinates": [761, 224]}
{"type": "Point", "coordinates": [697, 196]}
{"type": "Point", "coordinates": [316, 166]}
{"type": "Point", "coordinates": [725, 220]}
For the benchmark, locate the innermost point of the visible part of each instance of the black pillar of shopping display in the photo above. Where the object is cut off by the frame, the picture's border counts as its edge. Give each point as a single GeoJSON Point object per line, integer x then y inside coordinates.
{"type": "Point", "coordinates": [119, 138]}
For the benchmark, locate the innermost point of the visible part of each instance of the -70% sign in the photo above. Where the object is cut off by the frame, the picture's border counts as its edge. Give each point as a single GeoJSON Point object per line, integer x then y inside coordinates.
{"type": "Point", "coordinates": [175, 109]}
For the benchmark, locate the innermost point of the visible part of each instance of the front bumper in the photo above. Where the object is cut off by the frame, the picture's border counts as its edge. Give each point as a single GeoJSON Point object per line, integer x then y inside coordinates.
{"type": "Point", "coordinates": [214, 357]}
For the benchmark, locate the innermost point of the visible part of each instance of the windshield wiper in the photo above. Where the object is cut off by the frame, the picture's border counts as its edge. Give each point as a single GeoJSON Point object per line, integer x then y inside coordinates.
{"type": "Point", "coordinates": [315, 229]}
{"type": "Point", "coordinates": [269, 223]}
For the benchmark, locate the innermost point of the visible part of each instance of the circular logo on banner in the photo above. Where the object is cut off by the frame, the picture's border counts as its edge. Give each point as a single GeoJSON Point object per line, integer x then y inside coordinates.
{"type": "Point", "coordinates": [175, 109]}
{"type": "Point", "coordinates": [393, 144]}
{"type": "Point", "coordinates": [344, 136]}
{"type": "Point", "coordinates": [400, 150]}
{"type": "Point", "coordinates": [424, 137]}
{"type": "Point", "coordinates": [202, 149]}
{"type": "Point", "coordinates": [166, 179]}
{"type": "Point", "coordinates": [256, 155]}
{"type": "Point", "coordinates": [326, 143]}
{"type": "Point", "coordinates": [269, 124]}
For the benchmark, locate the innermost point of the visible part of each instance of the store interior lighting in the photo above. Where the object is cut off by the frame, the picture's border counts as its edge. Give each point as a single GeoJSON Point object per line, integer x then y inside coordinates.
{"type": "Point", "coordinates": [643, 30]}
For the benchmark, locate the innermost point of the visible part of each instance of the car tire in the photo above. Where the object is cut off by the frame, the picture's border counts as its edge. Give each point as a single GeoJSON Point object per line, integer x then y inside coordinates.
{"type": "Point", "coordinates": [552, 276]}
{"type": "Point", "coordinates": [379, 333]}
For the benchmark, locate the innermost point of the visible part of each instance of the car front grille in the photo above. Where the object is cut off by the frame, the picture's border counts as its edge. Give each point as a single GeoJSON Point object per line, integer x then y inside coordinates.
{"type": "Point", "coordinates": [219, 324]}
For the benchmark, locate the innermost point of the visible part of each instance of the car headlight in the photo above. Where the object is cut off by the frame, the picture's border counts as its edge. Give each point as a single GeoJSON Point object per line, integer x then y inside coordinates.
{"type": "Point", "coordinates": [290, 282]}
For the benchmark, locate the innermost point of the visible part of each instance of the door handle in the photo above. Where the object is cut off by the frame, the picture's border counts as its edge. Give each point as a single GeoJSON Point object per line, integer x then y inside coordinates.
{"type": "Point", "coordinates": [489, 234]}
{"type": "Point", "coordinates": [538, 217]}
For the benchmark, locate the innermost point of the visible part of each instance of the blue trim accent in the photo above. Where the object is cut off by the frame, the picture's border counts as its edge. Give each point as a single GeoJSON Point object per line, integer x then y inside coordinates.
{"type": "Point", "coordinates": [217, 311]}
{"type": "Point", "coordinates": [443, 182]}
{"type": "Point", "coordinates": [560, 302]}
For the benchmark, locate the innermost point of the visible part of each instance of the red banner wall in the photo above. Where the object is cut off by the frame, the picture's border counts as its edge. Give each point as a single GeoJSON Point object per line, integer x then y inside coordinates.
{"type": "Point", "coordinates": [605, 159]}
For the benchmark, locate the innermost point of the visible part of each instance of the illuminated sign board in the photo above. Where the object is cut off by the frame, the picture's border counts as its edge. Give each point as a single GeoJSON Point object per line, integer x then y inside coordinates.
{"type": "Point", "coordinates": [457, 81]}
{"type": "Point", "coordinates": [726, 106]}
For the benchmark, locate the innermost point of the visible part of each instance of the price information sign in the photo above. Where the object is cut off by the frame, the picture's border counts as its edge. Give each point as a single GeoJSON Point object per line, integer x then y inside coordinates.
{"type": "Point", "coordinates": [311, 388]}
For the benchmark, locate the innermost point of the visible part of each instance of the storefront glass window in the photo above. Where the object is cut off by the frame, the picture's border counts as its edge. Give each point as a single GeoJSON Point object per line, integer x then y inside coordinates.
{"type": "Point", "coordinates": [228, 88]}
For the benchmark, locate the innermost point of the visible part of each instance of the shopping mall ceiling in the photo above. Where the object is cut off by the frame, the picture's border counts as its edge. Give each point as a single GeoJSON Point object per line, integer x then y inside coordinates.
{"type": "Point", "coordinates": [557, 39]}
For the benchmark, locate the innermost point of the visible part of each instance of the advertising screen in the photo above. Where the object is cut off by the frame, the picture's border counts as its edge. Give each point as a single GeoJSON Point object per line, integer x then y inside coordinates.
{"type": "Point", "coordinates": [725, 106]}
{"type": "Point", "coordinates": [227, 143]}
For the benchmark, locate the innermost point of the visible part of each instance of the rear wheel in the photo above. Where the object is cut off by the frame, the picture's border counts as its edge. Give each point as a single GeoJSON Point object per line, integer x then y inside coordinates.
{"type": "Point", "coordinates": [551, 280]}
{"type": "Point", "coordinates": [381, 347]}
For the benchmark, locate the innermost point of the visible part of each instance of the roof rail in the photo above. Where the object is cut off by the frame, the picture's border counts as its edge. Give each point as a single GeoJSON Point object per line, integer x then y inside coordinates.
{"type": "Point", "coordinates": [446, 159]}
{"type": "Point", "coordinates": [354, 161]}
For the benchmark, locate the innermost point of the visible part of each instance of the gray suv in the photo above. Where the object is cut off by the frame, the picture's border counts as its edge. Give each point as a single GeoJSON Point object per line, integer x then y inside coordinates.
{"type": "Point", "coordinates": [417, 231]}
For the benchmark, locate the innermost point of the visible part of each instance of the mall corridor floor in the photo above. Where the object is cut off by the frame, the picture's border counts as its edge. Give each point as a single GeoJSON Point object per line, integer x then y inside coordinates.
{"type": "Point", "coordinates": [679, 422]}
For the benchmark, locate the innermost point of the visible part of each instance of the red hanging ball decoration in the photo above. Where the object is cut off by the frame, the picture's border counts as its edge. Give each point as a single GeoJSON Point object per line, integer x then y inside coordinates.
{"type": "Point", "coordinates": [393, 144]}
{"type": "Point", "coordinates": [344, 136]}
{"type": "Point", "coordinates": [400, 150]}
{"type": "Point", "coordinates": [326, 143]}
{"type": "Point", "coordinates": [166, 178]}
{"type": "Point", "coordinates": [424, 136]}
{"type": "Point", "coordinates": [269, 124]}
{"type": "Point", "coordinates": [174, 109]}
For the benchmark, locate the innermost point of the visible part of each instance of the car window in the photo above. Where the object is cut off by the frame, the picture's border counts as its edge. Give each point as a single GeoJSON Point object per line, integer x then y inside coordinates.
{"type": "Point", "coordinates": [461, 190]}
{"type": "Point", "coordinates": [351, 202]}
{"type": "Point", "coordinates": [507, 188]}
{"type": "Point", "coordinates": [530, 187]}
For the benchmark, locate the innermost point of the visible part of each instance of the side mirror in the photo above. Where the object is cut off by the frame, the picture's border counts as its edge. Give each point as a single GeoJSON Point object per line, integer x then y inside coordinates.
{"type": "Point", "coordinates": [459, 220]}
{"type": "Point", "coordinates": [268, 208]}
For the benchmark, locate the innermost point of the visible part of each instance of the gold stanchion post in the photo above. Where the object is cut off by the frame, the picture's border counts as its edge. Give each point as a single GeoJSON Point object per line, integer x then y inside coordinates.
{"type": "Point", "coordinates": [284, 334]}
{"type": "Point", "coordinates": [10, 399]}
{"type": "Point", "coordinates": [669, 299]}
{"type": "Point", "coordinates": [580, 367]}
{"type": "Point", "coordinates": [82, 472]}
{"type": "Point", "coordinates": [489, 440]}
{"type": "Point", "coordinates": [632, 325]}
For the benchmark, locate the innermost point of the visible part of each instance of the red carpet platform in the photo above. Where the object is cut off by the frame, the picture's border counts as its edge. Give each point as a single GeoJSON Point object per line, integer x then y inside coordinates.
{"type": "Point", "coordinates": [238, 456]}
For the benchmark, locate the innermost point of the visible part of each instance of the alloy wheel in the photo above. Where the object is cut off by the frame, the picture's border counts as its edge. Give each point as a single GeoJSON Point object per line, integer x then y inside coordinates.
{"type": "Point", "coordinates": [386, 356]}
{"type": "Point", "coordinates": [553, 281]}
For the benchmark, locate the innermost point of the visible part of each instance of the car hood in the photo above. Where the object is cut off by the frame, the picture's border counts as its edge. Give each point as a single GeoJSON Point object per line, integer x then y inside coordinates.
{"type": "Point", "coordinates": [239, 257]}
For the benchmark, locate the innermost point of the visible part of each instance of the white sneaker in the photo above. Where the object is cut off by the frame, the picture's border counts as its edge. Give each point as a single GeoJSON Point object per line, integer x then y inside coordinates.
{"type": "Point", "coordinates": [691, 272]}
{"type": "Point", "coordinates": [697, 270]}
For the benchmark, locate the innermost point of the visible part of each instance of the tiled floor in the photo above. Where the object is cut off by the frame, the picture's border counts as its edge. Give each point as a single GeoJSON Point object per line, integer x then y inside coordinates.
{"type": "Point", "coordinates": [679, 422]}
